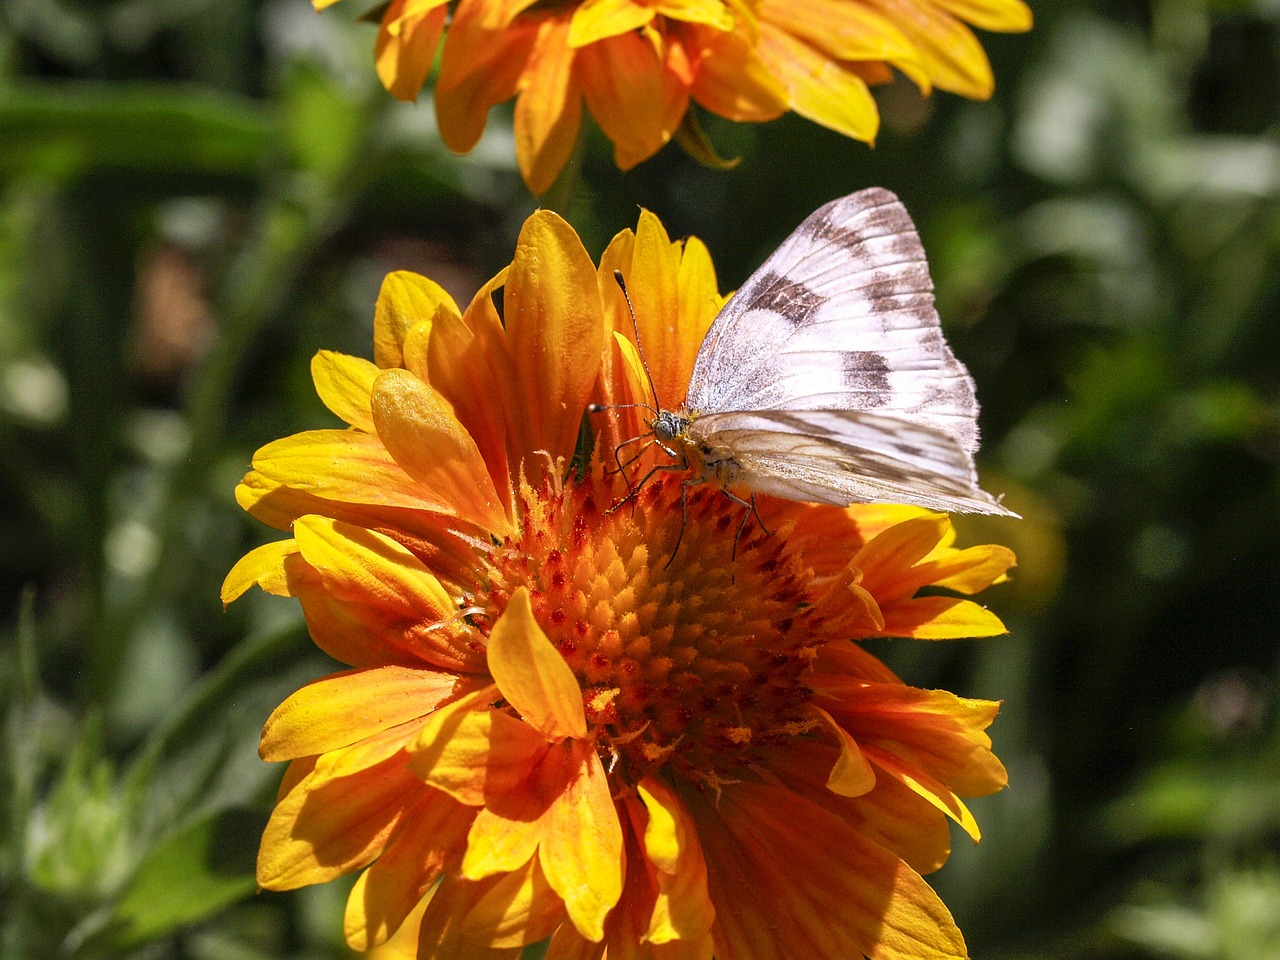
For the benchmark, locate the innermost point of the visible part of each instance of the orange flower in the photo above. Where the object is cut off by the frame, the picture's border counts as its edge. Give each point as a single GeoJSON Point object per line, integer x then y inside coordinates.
{"type": "Point", "coordinates": [557, 725]}
{"type": "Point", "coordinates": [638, 63]}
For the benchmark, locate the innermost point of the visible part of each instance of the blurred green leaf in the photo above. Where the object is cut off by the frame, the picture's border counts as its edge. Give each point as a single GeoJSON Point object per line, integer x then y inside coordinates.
{"type": "Point", "coordinates": [195, 872]}
{"type": "Point", "coordinates": [65, 129]}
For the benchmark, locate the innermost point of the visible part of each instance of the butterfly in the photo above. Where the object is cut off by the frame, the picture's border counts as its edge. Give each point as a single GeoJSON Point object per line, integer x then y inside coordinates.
{"type": "Point", "coordinates": [826, 377]}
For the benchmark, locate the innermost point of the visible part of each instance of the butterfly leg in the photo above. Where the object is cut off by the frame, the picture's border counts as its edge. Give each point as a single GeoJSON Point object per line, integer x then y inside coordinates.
{"type": "Point", "coordinates": [634, 491]}
{"type": "Point", "coordinates": [684, 515]}
{"type": "Point", "coordinates": [750, 506]}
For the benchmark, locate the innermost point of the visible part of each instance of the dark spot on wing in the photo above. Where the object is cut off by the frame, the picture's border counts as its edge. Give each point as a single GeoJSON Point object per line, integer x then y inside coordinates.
{"type": "Point", "coordinates": [867, 372]}
{"type": "Point", "coordinates": [789, 299]}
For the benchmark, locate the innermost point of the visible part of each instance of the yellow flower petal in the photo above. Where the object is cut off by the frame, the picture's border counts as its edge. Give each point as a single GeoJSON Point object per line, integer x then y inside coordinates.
{"type": "Point", "coordinates": [1001, 16]}
{"type": "Point", "coordinates": [382, 587]}
{"type": "Point", "coordinates": [851, 775]}
{"type": "Point", "coordinates": [597, 19]}
{"type": "Point", "coordinates": [532, 674]}
{"type": "Point", "coordinates": [819, 88]}
{"type": "Point", "coordinates": [683, 911]}
{"type": "Point", "coordinates": [949, 51]}
{"type": "Point", "coordinates": [582, 850]}
{"type": "Point", "coordinates": [887, 561]}
{"type": "Point", "coordinates": [711, 13]}
{"type": "Point", "coordinates": [263, 566]}
{"type": "Point", "coordinates": [847, 31]}
{"type": "Point", "coordinates": [429, 840]}
{"type": "Point", "coordinates": [941, 618]}
{"type": "Point", "coordinates": [344, 384]}
{"type": "Point", "coordinates": [404, 300]}
{"type": "Point", "coordinates": [490, 919]}
{"type": "Point", "coordinates": [968, 571]}
{"type": "Point", "coordinates": [323, 828]}
{"type": "Point", "coordinates": [342, 465]}
{"type": "Point", "coordinates": [342, 708]}
{"type": "Point", "coordinates": [420, 431]}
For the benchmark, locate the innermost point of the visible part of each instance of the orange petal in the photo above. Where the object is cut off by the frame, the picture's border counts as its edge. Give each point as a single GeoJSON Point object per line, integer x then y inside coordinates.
{"type": "Point", "coordinates": [818, 87]}
{"type": "Point", "coordinates": [263, 566]}
{"type": "Point", "coordinates": [338, 710]}
{"type": "Point", "coordinates": [344, 384]}
{"type": "Point", "coordinates": [477, 755]}
{"type": "Point", "coordinates": [930, 788]}
{"type": "Point", "coordinates": [425, 438]}
{"type": "Point", "coordinates": [732, 79]}
{"type": "Point", "coordinates": [405, 300]}
{"type": "Point", "coordinates": [549, 108]}
{"type": "Point", "coordinates": [933, 730]}
{"type": "Point", "coordinates": [430, 839]}
{"type": "Point", "coordinates": [866, 902]}
{"type": "Point", "coordinates": [532, 675]}
{"type": "Point", "coordinates": [468, 362]}
{"type": "Point", "coordinates": [385, 589]}
{"type": "Point", "coordinates": [323, 828]}
{"type": "Point", "coordinates": [635, 98]}
{"type": "Point", "coordinates": [406, 45]}
{"type": "Point", "coordinates": [887, 561]}
{"type": "Point", "coordinates": [481, 66]}
{"type": "Point", "coordinates": [555, 331]}
{"type": "Point", "coordinates": [891, 814]}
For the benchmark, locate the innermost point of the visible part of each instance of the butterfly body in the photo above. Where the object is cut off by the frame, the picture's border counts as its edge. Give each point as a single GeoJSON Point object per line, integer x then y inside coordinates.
{"type": "Point", "coordinates": [826, 377]}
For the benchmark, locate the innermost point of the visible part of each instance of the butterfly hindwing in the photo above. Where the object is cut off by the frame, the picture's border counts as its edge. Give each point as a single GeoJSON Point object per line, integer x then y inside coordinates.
{"type": "Point", "coordinates": [845, 456]}
{"type": "Point", "coordinates": [840, 317]}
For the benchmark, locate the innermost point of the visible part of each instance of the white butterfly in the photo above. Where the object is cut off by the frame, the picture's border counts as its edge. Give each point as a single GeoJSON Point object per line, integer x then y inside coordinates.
{"type": "Point", "coordinates": [826, 377]}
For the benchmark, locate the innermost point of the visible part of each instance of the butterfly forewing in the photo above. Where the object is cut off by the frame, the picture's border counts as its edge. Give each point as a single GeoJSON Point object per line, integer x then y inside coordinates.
{"type": "Point", "coordinates": [840, 317]}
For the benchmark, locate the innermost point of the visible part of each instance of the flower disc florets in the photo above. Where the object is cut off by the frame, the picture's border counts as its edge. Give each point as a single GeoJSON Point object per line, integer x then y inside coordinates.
{"type": "Point", "coordinates": [581, 710]}
{"type": "Point", "coordinates": [690, 659]}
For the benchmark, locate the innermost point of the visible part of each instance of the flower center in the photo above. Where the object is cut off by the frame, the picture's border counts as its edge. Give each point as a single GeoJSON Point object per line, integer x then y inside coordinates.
{"type": "Point", "coordinates": [690, 658]}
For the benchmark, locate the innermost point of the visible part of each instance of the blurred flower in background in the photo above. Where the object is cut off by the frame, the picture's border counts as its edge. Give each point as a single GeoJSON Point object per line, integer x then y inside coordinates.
{"type": "Point", "coordinates": [639, 66]}
{"type": "Point", "coordinates": [574, 739]}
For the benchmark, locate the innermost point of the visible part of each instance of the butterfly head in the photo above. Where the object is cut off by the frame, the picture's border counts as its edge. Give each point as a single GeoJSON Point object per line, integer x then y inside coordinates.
{"type": "Point", "coordinates": [668, 425]}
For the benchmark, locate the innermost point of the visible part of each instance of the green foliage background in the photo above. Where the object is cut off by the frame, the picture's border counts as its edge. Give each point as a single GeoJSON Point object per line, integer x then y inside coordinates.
{"type": "Point", "coordinates": [196, 195]}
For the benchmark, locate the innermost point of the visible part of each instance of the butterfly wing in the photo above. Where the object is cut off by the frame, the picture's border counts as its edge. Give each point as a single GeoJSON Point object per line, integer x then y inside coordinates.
{"type": "Point", "coordinates": [845, 456]}
{"type": "Point", "coordinates": [840, 317]}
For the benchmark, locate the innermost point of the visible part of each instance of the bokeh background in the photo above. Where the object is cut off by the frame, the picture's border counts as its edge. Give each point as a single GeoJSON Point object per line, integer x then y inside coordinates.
{"type": "Point", "coordinates": [196, 195]}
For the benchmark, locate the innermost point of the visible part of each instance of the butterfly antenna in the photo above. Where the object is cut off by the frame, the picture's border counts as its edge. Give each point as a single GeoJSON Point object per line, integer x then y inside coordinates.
{"type": "Point", "coordinates": [635, 325]}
